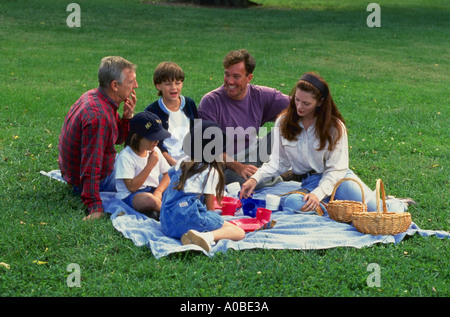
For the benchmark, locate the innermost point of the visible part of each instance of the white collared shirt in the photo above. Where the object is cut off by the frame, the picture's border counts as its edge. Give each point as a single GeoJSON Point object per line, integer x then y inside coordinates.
{"type": "Point", "coordinates": [302, 156]}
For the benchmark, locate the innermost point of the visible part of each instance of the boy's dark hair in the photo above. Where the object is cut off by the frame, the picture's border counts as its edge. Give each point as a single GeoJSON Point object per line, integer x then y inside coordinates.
{"type": "Point", "coordinates": [167, 71]}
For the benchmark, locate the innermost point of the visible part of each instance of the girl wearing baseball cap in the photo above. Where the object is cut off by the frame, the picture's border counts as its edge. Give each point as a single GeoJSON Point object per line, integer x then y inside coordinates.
{"type": "Point", "coordinates": [140, 165]}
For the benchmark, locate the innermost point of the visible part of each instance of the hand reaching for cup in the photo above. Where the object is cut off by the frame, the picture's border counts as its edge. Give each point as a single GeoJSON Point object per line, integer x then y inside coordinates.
{"type": "Point", "coordinates": [247, 188]}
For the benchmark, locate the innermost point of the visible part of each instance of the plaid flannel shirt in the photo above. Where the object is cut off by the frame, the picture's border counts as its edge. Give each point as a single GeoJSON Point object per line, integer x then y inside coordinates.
{"type": "Point", "coordinates": [86, 145]}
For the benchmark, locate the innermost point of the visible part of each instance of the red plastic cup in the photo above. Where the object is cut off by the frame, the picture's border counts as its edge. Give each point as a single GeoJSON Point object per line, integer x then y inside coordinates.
{"type": "Point", "coordinates": [263, 214]}
{"type": "Point", "coordinates": [229, 208]}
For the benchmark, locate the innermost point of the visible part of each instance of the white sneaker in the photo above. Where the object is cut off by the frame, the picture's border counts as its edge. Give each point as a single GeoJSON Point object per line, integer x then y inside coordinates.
{"type": "Point", "coordinates": [406, 200]}
{"type": "Point", "coordinates": [195, 237]}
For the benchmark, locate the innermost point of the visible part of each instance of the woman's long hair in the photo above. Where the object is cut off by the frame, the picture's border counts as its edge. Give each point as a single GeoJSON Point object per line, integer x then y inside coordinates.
{"type": "Point", "coordinates": [329, 121]}
{"type": "Point", "coordinates": [191, 168]}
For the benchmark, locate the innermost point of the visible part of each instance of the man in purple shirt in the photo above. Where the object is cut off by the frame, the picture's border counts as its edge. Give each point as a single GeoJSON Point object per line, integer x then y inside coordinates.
{"type": "Point", "coordinates": [240, 109]}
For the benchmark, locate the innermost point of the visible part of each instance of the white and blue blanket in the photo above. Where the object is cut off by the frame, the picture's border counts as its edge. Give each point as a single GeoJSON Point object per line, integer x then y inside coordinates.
{"type": "Point", "coordinates": [295, 231]}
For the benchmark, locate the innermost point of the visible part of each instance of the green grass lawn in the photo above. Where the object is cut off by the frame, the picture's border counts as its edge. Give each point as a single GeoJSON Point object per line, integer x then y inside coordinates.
{"type": "Point", "coordinates": [391, 84]}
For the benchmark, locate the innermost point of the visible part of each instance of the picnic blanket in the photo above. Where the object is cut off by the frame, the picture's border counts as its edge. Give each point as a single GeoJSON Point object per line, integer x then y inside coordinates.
{"type": "Point", "coordinates": [298, 231]}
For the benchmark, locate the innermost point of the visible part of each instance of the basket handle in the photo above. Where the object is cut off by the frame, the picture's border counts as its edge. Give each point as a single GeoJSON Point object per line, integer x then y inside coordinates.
{"type": "Point", "coordinates": [347, 179]}
{"type": "Point", "coordinates": [380, 187]}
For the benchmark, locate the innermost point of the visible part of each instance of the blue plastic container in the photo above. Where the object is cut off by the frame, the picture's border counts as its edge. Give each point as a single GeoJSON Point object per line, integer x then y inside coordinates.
{"type": "Point", "coordinates": [249, 209]}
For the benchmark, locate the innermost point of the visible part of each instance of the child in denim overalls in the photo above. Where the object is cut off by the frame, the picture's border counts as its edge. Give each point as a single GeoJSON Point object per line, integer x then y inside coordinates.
{"type": "Point", "coordinates": [187, 211]}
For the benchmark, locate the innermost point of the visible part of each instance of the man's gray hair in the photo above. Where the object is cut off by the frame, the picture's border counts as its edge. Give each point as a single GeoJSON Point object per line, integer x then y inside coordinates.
{"type": "Point", "coordinates": [111, 68]}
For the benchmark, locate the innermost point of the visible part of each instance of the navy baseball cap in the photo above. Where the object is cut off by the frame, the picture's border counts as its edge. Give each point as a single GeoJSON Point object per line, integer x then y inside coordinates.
{"type": "Point", "coordinates": [148, 125]}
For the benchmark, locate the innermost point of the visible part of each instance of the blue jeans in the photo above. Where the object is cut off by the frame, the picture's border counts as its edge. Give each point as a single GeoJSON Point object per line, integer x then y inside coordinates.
{"type": "Point", "coordinates": [108, 184]}
{"type": "Point", "coordinates": [348, 190]}
{"type": "Point", "coordinates": [129, 199]}
{"type": "Point", "coordinates": [295, 201]}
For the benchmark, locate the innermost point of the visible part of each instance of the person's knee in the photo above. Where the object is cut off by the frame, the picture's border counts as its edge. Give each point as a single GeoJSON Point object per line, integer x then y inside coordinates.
{"type": "Point", "coordinates": [240, 233]}
{"type": "Point", "coordinates": [294, 202]}
{"type": "Point", "coordinates": [146, 201]}
{"type": "Point", "coordinates": [348, 190]}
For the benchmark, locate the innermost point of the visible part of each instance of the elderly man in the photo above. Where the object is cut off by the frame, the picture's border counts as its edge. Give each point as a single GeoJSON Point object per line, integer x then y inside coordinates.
{"type": "Point", "coordinates": [241, 108]}
{"type": "Point", "coordinates": [91, 129]}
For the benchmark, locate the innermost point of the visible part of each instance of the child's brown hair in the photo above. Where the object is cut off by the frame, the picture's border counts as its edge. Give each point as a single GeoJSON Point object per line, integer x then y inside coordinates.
{"type": "Point", "coordinates": [167, 71]}
{"type": "Point", "coordinates": [191, 168]}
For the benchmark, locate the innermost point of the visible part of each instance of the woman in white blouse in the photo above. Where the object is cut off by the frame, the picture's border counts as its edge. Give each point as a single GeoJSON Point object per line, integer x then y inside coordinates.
{"type": "Point", "coordinates": [310, 138]}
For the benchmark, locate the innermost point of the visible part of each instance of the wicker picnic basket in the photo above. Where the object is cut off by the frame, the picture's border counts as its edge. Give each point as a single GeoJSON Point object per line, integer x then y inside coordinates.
{"type": "Point", "coordinates": [343, 210]}
{"type": "Point", "coordinates": [382, 222]}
